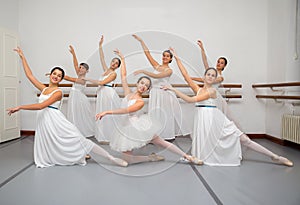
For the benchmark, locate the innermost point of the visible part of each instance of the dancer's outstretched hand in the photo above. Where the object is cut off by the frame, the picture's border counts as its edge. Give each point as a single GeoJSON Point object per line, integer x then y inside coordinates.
{"type": "Point", "coordinates": [117, 52]}
{"type": "Point", "coordinates": [167, 87]}
{"type": "Point", "coordinates": [137, 37]}
{"type": "Point", "coordinates": [71, 49]}
{"type": "Point", "coordinates": [100, 115]}
{"type": "Point", "coordinates": [101, 40]}
{"type": "Point", "coordinates": [19, 51]}
{"type": "Point", "coordinates": [173, 52]}
{"type": "Point", "coordinates": [12, 110]}
{"type": "Point", "coordinates": [200, 44]}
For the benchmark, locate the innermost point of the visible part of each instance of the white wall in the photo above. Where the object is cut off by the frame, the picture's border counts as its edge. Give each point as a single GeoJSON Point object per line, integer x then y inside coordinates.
{"type": "Point", "coordinates": [9, 14]}
{"type": "Point", "coordinates": [237, 29]}
{"type": "Point", "coordinates": [282, 64]}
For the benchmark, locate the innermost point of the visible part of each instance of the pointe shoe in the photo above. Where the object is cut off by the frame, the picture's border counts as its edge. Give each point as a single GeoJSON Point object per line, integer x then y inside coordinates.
{"type": "Point", "coordinates": [155, 158]}
{"type": "Point", "coordinates": [283, 160]}
{"type": "Point", "coordinates": [194, 160]}
{"type": "Point", "coordinates": [104, 143]}
{"type": "Point", "coordinates": [87, 156]}
{"type": "Point", "coordinates": [120, 162]}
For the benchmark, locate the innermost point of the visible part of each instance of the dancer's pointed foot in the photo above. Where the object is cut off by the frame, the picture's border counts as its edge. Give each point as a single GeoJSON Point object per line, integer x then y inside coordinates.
{"type": "Point", "coordinates": [194, 160]}
{"type": "Point", "coordinates": [155, 158]}
{"type": "Point", "coordinates": [120, 162]}
{"type": "Point", "coordinates": [282, 160]}
{"type": "Point", "coordinates": [87, 156]}
{"type": "Point", "coordinates": [104, 143]}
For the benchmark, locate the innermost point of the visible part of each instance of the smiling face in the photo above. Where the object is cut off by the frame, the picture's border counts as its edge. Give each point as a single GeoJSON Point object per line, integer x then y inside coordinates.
{"type": "Point", "coordinates": [221, 64]}
{"type": "Point", "coordinates": [56, 76]}
{"type": "Point", "coordinates": [143, 85]}
{"type": "Point", "coordinates": [115, 63]}
{"type": "Point", "coordinates": [82, 70]}
{"type": "Point", "coordinates": [210, 76]}
{"type": "Point", "coordinates": [166, 57]}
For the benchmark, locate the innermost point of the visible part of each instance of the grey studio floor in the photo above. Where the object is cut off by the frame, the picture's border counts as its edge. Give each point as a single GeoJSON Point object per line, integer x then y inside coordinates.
{"type": "Point", "coordinates": [256, 181]}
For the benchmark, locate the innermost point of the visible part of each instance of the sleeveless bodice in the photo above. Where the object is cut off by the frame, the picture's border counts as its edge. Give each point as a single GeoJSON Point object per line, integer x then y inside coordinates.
{"type": "Point", "coordinates": [44, 97]}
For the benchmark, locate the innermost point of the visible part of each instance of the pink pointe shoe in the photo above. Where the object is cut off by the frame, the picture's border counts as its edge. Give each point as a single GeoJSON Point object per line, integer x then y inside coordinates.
{"type": "Point", "coordinates": [120, 162]}
{"type": "Point", "coordinates": [194, 160]}
{"type": "Point", "coordinates": [283, 161]}
{"type": "Point", "coordinates": [155, 158]}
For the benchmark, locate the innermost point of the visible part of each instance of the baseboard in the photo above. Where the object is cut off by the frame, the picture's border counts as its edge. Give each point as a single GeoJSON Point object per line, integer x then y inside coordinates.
{"type": "Point", "coordinates": [25, 133]}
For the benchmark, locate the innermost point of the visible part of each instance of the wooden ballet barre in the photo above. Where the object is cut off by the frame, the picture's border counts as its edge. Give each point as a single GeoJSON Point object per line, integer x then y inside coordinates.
{"type": "Point", "coordinates": [133, 85]}
{"type": "Point", "coordinates": [286, 97]}
{"type": "Point", "coordinates": [271, 85]}
{"type": "Point", "coordinates": [144, 96]}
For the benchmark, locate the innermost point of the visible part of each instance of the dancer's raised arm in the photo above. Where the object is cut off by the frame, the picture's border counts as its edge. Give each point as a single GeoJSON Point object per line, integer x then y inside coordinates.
{"type": "Point", "coordinates": [101, 53]}
{"type": "Point", "coordinates": [153, 62]}
{"type": "Point", "coordinates": [203, 54]}
{"type": "Point", "coordinates": [75, 61]}
{"type": "Point", "coordinates": [123, 73]}
{"type": "Point", "coordinates": [28, 71]}
{"type": "Point", "coordinates": [184, 73]}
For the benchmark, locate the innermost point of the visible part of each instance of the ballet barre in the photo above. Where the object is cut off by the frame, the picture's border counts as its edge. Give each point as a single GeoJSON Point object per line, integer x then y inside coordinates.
{"type": "Point", "coordinates": [282, 95]}
{"type": "Point", "coordinates": [116, 85]}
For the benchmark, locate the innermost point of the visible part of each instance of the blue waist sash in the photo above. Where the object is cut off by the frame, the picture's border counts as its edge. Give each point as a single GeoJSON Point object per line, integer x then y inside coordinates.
{"type": "Point", "coordinates": [211, 106]}
{"type": "Point", "coordinates": [52, 107]}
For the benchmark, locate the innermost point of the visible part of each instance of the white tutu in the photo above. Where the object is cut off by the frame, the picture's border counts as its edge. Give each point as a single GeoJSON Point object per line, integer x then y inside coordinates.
{"type": "Point", "coordinates": [134, 130]}
{"type": "Point", "coordinates": [58, 141]}
{"type": "Point", "coordinates": [80, 111]}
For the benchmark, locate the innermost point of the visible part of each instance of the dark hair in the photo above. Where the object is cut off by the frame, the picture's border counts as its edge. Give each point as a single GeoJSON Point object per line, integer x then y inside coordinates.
{"type": "Point", "coordinates": [223, 58]}
{"type": "Point", "coordinates": [171, 54]}
{"type": "Point", "coordinates": [211, 68]}
{"type": "Point", "coordinates": [118, 61]}
{"type": "Point", "coordinates": [60, 69]}
{"type": "Point", "coordinates": [86, 66]}
{"type": "Point", "coordinates": [147, 79]}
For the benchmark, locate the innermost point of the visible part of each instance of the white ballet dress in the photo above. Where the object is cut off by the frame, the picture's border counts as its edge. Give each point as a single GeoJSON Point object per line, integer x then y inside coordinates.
{"type": "Point", "coordinates": [80, 110]}
{"type": "Point", "coordinates": [167, 105]}
{"type": "Point", "coordinates": [215, 139]}
{"type": "Point", "coordinates": [134, 130]}
{"type": "Point", "coordinates": [107, 99]}
{"type": "Point", "coordinates": [57, 141]}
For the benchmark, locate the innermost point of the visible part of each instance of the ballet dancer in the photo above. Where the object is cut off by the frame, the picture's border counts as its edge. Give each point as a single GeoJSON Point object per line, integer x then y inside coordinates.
{"type": "Point", "coordinates": [215, 139]}
{"type": "Point", "coordinates": [220, 65]}
{"type": "Point", "coordinates": [107, 97]}
{"type": "Point", "coordinates": [79, 108]}
{"type": "Point", "coordinates": [167, 102]}
{"type": "Point", "coordinates": [133, 128]}
{"type": "Point", "coordinates": [57, 141]}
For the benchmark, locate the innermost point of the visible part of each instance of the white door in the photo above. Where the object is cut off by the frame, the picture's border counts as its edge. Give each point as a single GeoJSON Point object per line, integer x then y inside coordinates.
{"type": "Point", "coordinates": [9, 85]}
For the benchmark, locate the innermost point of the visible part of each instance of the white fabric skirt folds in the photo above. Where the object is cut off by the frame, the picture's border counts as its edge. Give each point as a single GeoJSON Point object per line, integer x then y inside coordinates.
{"type": "Point", "coordinates": [165, 104]}
{"type": "Point", "coordinates": [58, 141]}
{"type": "Point", "coordinates": [80, 112]}
{"type": "Point", "coordinates": [107, 99]}
{"type": "Point", "coordinates": [215, 140]}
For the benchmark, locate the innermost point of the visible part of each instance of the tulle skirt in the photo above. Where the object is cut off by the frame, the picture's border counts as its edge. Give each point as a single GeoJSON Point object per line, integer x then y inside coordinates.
{"type": "Point", "coordinates": [80, 112]}
{"type": "Point", "coordinates": [107, 99]}
{"type": "Point", "coordinates": [215, 140]}
{"type": "Point", "coordinates": [133, 132]}
{"type": "Point", "coordinates": [58, 141]}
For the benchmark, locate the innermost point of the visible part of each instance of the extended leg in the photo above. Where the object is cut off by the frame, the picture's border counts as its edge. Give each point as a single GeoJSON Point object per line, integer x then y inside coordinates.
{"type": "Point", "coordinates": [246, 141]}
